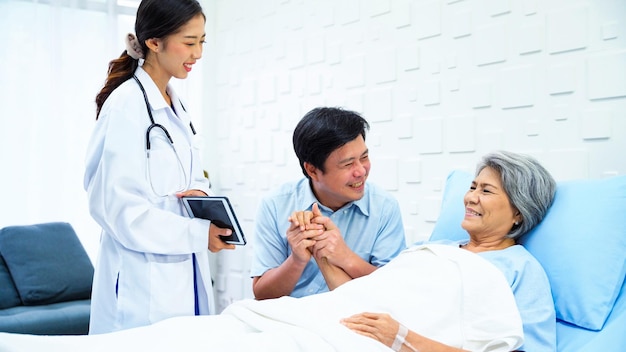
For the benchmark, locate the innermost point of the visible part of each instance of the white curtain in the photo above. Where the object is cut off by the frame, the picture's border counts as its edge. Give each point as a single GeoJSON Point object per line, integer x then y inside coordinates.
{"type": "Point", "coordinates": [53, 61]}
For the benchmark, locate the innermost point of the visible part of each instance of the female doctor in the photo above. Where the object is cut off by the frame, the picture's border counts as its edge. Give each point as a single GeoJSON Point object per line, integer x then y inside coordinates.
{"type": "Point", "coordinates": [153, 260]}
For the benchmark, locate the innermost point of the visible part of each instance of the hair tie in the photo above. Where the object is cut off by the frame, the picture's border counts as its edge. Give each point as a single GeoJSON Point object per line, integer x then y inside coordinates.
{"type": "Point", "coordinates": [133, 49]}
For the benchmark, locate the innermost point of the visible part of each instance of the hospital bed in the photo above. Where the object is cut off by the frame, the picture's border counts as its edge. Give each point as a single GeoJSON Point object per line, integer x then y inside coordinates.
{"type": "Point", "coordinates": [581, 244]}
{"type": "Point", "coordinates": [442, 291]}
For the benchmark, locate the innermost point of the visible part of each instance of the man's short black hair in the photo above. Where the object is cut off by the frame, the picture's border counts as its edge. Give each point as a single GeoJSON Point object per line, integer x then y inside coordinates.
{"type": "Point", "coordinates": [323, 130]}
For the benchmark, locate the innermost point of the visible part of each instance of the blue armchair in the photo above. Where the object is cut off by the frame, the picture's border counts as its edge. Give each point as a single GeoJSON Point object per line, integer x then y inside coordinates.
{"type": "Point", "coordinates": [45, 280]}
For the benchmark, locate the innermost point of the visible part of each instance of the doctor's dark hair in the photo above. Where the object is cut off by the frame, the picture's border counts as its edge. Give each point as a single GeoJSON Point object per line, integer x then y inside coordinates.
{"type": "Point", "coordinates": [323, 130]}
{"type": "Point", "coordinates": [529, 186]}
{"type": "Point", "coordinates": [155, 19]}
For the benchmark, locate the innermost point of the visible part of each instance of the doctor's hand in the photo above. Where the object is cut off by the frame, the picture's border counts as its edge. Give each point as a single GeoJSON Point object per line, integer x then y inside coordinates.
{"type": "Point", "coordinates": [191, 193]}
{"type": "Point", "coordinates": [215, 242]}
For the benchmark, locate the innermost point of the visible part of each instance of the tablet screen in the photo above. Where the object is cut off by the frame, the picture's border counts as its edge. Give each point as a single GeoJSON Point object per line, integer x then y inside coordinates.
{"type": "Point", "coordinates": [221, 214]}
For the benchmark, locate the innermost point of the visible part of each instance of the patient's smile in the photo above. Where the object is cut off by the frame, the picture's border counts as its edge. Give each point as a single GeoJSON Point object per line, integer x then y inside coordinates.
{"type": "Point", "coordinates": [471, 212]}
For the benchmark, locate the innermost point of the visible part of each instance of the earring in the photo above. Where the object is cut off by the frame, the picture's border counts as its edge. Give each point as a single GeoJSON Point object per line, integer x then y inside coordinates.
{"type": "Point", "coordinates": [516, 223]}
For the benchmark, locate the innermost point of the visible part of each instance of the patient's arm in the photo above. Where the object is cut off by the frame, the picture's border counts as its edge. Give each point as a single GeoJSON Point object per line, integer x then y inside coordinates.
{"type": "Point", "coordinates": [331, 246]}
{"type": "Point", "coordinates": [334, 275]}
{"type": "Point", "coordinates": [384, 328]}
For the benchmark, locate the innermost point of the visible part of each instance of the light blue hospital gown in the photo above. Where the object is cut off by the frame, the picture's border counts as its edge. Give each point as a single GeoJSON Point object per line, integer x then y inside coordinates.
{"type": "Point", "coordinates": [532, 292]}
{"type": "Point", "coordinates": [533, 295]}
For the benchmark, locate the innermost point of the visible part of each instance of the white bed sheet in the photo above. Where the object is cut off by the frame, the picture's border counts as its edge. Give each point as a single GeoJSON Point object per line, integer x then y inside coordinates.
{"type": "Point", "coordinates": [445, 293]}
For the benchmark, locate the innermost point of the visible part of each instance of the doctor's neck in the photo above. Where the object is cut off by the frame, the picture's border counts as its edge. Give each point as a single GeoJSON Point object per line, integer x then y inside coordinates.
{"type": "Point", "coordinates": [160, 78]}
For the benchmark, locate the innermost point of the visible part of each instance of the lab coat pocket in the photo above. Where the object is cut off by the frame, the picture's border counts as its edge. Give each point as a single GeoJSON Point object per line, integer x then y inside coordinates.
{"type": "Point", "coordinates": [171, 287]}
{"type": "Point", "coordinates": [165, 170]}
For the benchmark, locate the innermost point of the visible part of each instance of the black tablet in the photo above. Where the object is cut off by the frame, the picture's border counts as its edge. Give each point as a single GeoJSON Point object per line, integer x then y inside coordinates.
{"type": "Point", "coordinates": [221, 214]}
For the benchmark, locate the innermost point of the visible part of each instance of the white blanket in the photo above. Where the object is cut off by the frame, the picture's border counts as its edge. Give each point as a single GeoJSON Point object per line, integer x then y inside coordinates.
{"type": "Point", "coordinates": [442, 292]}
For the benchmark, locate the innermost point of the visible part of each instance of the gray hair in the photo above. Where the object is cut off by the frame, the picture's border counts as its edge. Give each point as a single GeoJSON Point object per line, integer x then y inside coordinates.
{"type": "Point", "coordinates": [529, 186]}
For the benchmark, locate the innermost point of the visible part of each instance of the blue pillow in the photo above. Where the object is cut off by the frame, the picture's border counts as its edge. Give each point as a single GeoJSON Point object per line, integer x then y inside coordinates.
{"type": "Point", "coordinates": [452, 212]}
{"type": "Point", "coordinates": [47, 262]}
{"type": "Point", "coordinates": [581, 243]}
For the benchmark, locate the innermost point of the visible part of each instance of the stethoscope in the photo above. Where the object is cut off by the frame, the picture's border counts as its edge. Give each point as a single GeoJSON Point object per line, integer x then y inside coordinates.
{"type": "Point", "coordinates": [155, 126]}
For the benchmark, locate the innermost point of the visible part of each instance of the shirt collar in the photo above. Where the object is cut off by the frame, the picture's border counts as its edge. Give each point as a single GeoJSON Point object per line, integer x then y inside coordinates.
{"type": "Point", "coordinates": [152, 91]}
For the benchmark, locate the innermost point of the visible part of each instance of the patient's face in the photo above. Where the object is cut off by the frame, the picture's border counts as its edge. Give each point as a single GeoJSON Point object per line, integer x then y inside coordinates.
{"type": "Point", "coordinates": [488, 210]}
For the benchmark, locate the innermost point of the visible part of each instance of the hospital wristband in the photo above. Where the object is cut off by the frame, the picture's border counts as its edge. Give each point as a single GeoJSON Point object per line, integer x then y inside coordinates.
{"type": "Point", "coordinates": [400, 340]}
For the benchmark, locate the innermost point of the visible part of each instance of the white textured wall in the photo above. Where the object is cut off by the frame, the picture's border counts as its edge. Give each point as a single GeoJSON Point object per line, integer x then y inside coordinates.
{"type": "Point", "coordinates": [441, 82]}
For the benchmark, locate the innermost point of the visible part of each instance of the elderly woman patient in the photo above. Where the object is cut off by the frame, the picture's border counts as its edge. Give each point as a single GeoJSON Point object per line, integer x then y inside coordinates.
{"type": "Point", "coordinates": [436, 296]}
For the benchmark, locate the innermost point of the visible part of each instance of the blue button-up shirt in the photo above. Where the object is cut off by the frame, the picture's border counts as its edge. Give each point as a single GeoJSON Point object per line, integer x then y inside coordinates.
{"type": "Point", "coordinates": [371, 227]}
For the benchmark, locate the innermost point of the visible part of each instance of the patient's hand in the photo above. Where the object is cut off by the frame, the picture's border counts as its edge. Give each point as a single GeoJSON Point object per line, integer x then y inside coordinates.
{"type": "Point", "coordinates": [300, 234]}
{"type": "Point", "coordinates": [379, 326]}
{"type": "Point", "coordinates": [301, 218]}
{"type": "Point", "coordinates": [382, 327]}
{"type": "Point", "coordinates": [330, 243]}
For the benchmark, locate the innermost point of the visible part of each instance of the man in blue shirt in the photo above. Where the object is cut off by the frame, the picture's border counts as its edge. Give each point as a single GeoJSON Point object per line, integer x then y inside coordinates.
{"type": "Point", "coordinates": [361, 228]}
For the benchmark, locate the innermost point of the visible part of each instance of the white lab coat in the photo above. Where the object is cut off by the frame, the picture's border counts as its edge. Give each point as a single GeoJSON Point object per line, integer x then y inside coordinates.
{"type": "Point", "coordinates": [144, 270]}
